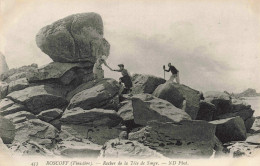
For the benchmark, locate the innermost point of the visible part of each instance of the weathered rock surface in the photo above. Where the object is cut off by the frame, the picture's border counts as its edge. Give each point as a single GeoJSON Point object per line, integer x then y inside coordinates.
{"type": "Point", "coordinates": [20, 116]}
{"type": "Point", "coordinates": [176, 93]}
{"type": "Point", "coordinates": [256, 126]}
{"type": "Point", "coordinates": [94, 116]}
{"type": "Point", "coordinates": [249, 123]}
{"type": "Point", "coordinates": [37, 131]}
{"type": "Point", "coordinates": [49, 115]}
{"type": "Point", "coordinates": [16, 85]}
{"type": "Point", "coordinates": [230, 129]}
{"type": "Point", "coordinates": [97, 125]}
{"type": "Point", "coordinates": [3, 90]}
{"type": "Point", "coordinates": [39, 98]}
{"type": "Point", "coordinates": [11, 109]}
{"type": "Point", "coordinates": [147, 108]}
{"type": "Point", "coordinates": [78, 149]}
{"type": "Point", "coordinates": [83, 86]}
{"type": "Point", "coordinates": [102, 95]}
{"type": "Point", "coordinates": [221, 100]}
{"type": "Point", "coordinates": [128, 149]}
{"type": "Point", "coordinates": [3, 65]}
{"type": "Point", "coordinates": [145, 83]}
{"type": "Point", "coordinates": [7, 130]}
{"type": "Point", "coordinates": [17, 73]}
{"type": "Point", "coordinates": [126, 111]}
{"type": "Point", "coordinates": [75, 38]}
{"type": "Point", "coordinates": [63, 73]}
{"type": "Point", "coordinates": [206, 111]}
{"type": "Point", "coordinates": [188, 139]}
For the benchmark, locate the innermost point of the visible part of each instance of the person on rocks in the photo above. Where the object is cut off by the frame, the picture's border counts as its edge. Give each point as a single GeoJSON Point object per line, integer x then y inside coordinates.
{"type": "Point", "coordinates": [125, 79]}
{"type": "Point", "coordinates": [174, 71]}
{"type": "Point", "coordinates": [97, 69]}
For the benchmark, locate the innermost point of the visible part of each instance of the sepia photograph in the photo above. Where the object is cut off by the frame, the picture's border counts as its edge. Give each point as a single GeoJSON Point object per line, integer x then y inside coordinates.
{"type": "Point", "coordinates": [129, 82]}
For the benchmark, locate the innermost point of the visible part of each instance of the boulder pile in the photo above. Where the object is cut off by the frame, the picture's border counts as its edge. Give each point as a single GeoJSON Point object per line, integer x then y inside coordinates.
{"type": "Point", "coordinates": [58, 109]}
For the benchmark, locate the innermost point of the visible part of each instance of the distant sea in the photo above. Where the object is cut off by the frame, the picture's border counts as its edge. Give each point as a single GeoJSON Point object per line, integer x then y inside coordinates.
{"type": "Point", "coordinates": [255, 104]}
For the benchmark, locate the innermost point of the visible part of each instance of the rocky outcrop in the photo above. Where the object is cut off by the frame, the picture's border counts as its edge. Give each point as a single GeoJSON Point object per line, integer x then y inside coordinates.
{"type": "Point", "coordinates": [11, 108]}
{"type": "Point", "coordinates": [7, 130]}
{"type": "Point", "coordinates": [176, 94]}
{"type": "Point", "coordinates": [97, 125]}
{"type": "Point", "coordinates": [62, 73]}
{"type": "Point", "coordinates": [75, 38]}
{"type": "Point", "coordinates": [35, 130]}
{"type": "Point", "coordinates": [15, 79]}
{"type": "Point", "coordinates": [16, 85]}
{"type": "Point", "coordinates": [230, 129]}
{"type": "Point", "coordinates": [39, 98]}
{"type": "Point", "coordinates": [3, 65]}
{"type": "Point", "coordinates": [128, 149]}
{"type": "Point", "coordinates": [145, 83]}
{"type": "Point", "coordinates": [17, 73]}
{"type": "Point", "coordinates": [147, 108]}
{"type": "Point", "coordinates": [248, 93]}
{"type": "Point", "coordinates": [102, 95]}
{"type": "Point", "coordinates": [189, 139]}
{"type": "Point", "coordinates": [206, 111]}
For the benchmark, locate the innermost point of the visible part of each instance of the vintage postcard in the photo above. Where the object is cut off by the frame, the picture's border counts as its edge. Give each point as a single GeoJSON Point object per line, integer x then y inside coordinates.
{"type": "Point", "coordinates": [129, 82]}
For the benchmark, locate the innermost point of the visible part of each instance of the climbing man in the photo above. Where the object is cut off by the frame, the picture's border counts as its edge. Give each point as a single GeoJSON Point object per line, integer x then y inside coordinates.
{"type": "Point", "coordinates": [125, 79]}
{"type": "Point", "coordinates": [174, 71]}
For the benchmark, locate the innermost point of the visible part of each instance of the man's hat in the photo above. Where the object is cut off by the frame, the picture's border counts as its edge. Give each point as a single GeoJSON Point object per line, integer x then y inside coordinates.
{"type": "Point", "coordinates": [120, 65]}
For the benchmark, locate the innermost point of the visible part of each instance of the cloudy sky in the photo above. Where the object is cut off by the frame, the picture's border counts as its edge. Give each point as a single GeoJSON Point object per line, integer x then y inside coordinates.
{"type": "Point", "coordinates": [215, 45]}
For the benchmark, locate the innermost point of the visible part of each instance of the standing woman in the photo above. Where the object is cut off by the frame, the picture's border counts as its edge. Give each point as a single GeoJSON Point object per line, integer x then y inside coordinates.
{"type": "Point", "coordinates": [97, 69]}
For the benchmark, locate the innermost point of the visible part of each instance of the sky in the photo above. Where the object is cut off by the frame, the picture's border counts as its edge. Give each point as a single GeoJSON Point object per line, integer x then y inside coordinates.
{"type": "Point", "coordinates": [214, 44]}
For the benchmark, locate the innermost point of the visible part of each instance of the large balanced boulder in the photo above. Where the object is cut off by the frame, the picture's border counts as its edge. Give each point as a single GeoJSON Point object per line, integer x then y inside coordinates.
{"type": "Point", "coordinates": [177, 93]}
{"type": "Point", "coordinates": [75, 38]}
{"type": "Point", "coordinates": [188, 139]}
{"type": "Point", "coordinates": [145, 83]}
{"type": "Point", "coordinates": [39, 98]}
{"type": "Point", "coordinates": [221, 100]}
{"type": "Point", "coordinates": [147, 108]}
{"type": "Point", "coordinates": [7, 130]}
{"type": "Point", "coordinates": [230, 129]}
{"type": "Point", "coordinates": [117, 148]}
{"type": "Point", "coordinates": [63, 73]}
{"type": "Point", "coordinates": [97, 125]}
{"type": "Point", "coordinates": [102, 95]}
